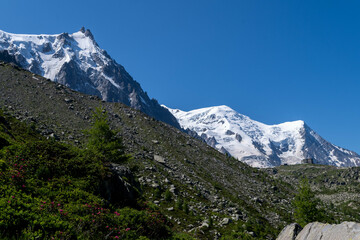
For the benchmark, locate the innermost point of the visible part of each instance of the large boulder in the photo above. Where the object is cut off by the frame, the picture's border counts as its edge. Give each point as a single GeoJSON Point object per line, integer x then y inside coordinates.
{"type": "Point", "coordinates": [289, 232]}
{"type": "Point", "coordinates": [317, 231]}
{"type": "Point", "coordinates": [320, 231]}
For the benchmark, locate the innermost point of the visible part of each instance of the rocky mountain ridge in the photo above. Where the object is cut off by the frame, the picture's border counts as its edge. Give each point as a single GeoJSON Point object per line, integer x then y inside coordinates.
{"type": "Point", "coordinates": [261, 145]}
{"type": "Point", "coordinates": [76, 61]}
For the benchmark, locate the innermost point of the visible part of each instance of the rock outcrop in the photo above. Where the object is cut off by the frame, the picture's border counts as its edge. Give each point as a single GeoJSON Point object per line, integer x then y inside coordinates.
{"type": "Point", "coordinates": [319, 231]}
{"type": "Point", "coordinates": [290, 232]}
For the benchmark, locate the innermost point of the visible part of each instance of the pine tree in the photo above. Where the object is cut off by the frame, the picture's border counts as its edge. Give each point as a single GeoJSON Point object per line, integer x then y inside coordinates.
{"type": "Point", "coordinates": [104, 142]}
{"type": "Point", "coordinates": [307, 205]}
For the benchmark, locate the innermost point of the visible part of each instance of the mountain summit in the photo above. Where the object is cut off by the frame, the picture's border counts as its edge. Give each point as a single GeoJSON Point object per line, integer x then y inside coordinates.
{"type": "Point", "coordinates": [262, 145]}
{"type": "Point", "coordinates": [77, 61]}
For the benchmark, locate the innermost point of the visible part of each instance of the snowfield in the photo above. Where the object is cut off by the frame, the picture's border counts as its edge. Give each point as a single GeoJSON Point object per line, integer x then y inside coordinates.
{"type": "Point", "coordinates": [261, 145]}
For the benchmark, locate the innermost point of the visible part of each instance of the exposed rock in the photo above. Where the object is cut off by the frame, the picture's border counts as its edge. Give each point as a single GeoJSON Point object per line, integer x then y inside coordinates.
{"type": "Point", "coordinates": [225, 221]}
{"type": "Point", "coordinates": [321, 231]}
{"type": "Point", "coordinates": [205, 224]}
{"type": "Point", "coordinates": [238, 137]}
{"type": "Point", "coordinates": [211, 141]}
{"type": "Point", "coordinates": [289, 232]}
{"type": "Point", "coordinates": [224, 151]}
{"type": "Point", "coordinates": [159, 159]}
{"type": "Point", "coordinates": [307, 161]}
{"type": "Point", "coordinates": [229, 132]}
{"type": "Point", "coordinates": [155, 185]}
{"type": "Point", "coordinates": [317, 231]}
{"type": "Point", "coordinates": [172, 189]}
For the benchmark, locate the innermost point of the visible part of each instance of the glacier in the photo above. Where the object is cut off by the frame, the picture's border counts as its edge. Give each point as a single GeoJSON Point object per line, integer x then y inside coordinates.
{"type": "Point", "coordinates": [261, 145]}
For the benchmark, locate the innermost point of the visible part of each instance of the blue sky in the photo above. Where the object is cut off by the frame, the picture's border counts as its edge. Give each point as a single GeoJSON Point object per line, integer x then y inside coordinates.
{"type": "Point", "coordinates": [274, 61]}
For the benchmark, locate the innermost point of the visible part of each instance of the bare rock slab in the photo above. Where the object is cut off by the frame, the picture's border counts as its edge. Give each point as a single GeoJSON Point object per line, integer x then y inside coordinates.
{"type": "Point", "coordinates": [317, 231]}
{"type": "Point", "coordinates": [289, 232]}
{"type": "Point", "coordinates": [321, 231]}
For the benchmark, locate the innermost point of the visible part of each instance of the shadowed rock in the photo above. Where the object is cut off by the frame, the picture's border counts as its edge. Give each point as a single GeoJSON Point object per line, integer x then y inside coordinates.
{"type": "Point", "coordinates": [289, 232]}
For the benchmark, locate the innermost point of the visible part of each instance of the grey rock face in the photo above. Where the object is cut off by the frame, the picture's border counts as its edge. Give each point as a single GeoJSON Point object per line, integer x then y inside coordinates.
{"type": "Point", "coordinates": [307, 161]}
{"type": "Point", "coordinates": [318, 149]}
{"type": "Point", "coordinates": [289, 232]}
{"type": "Point", "coordinates": [238, 137]}
{"type": "Point", "coordinates": [229, 132]}
{"type": "Point", "coordinates": [317, 231]}
{"type": "Point", "coordinates": [224, 151]}
{"type": "Point", "coordinates": [159, 159]}
{"type": "Point", "coordinates": [225, 221]}
{"type": "Point", "coordinates": [320, 231]}
{"type": "Point", "coordinates": [7, 57]}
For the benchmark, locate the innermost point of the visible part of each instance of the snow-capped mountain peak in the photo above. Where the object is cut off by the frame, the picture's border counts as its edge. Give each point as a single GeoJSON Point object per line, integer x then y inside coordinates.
{"type": "Point", "coordinates": [259, 144]}
{"type": "Point", "coordinates": [77, 61]}
{"type": "Point", "coordinates": [52, 51]}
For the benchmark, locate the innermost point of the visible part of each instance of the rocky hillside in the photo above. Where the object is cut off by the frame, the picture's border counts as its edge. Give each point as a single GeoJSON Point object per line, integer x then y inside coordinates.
{"type": "Point", "coordinates": [261, 145]}
{"type": "Point", "coordinates": [76, 61]}
{"type": "Point", "coordinates": [219, 193]}
{"type": "Point", "coordinates": [337, 187]}
{"type": "Point", "coordinates": [201, 191]}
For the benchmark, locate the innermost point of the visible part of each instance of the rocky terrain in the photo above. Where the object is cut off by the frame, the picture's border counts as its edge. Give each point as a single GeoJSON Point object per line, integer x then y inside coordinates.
{"type": "Point", "coordinates": [337, 187]}
{"type": "Point", "coordinates": [216, 189]}
{"type": "Point", "coordinates": [76, 61]}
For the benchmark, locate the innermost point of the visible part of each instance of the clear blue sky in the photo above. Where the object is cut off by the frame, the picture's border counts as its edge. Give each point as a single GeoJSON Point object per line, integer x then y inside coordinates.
{"type": "Point", "coordinates": [274, 61]}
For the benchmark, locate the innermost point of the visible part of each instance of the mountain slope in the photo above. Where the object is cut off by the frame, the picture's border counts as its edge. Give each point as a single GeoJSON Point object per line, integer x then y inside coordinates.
{"type": "Point", "coordinates": [262, 145]}
{"type": "Point", "coordinates": [165, 160]}
{"type": "Point", "coordinates": [77, 61]}
{"type": "Point", "coordinates": [172, 167]}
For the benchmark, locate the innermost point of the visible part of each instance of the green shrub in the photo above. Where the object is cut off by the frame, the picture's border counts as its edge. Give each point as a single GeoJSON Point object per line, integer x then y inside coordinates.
{"type": "Point", "coordinates": [49, 190]}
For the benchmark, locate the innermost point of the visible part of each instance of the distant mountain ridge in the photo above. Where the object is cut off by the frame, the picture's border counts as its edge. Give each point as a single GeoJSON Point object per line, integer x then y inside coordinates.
{"type": "Point", "coordinates": [77, 61]}
{"type": "Point", "coordinates": [261, 145]}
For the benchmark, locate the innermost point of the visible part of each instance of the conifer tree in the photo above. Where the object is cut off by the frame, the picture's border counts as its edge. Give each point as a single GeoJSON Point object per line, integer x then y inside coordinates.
{"type": "Point", "coordinates": [307, 205]}
{"type": "Point", "coordinates": [103, 141]}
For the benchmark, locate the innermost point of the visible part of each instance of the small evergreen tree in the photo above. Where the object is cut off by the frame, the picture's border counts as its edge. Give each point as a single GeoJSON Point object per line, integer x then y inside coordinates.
{"type": "Point", "coordinates": [167, 195]}
{"type": "Point", "coordinates": [186, 208]}
{"type": "Point", "coordinates": [307, 205]}
{"type": "Point", "coordinates": [179, 204]}
{"type": "Point", "coordinates": [104, 142]}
